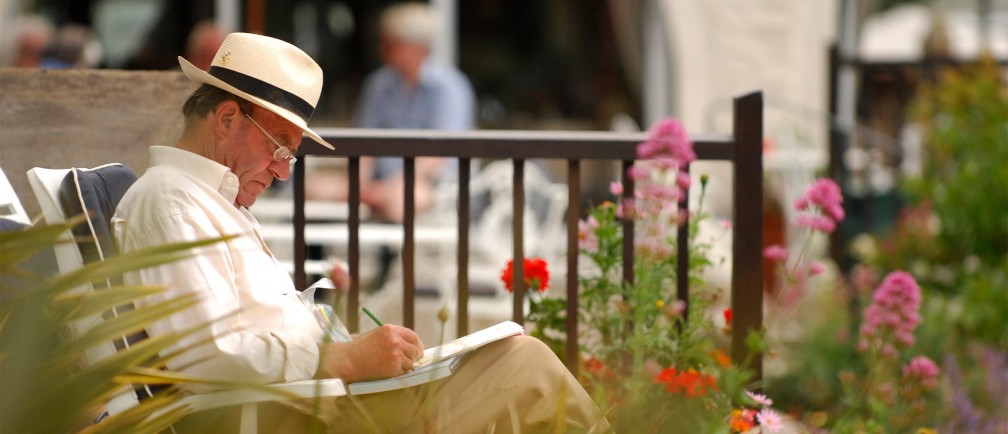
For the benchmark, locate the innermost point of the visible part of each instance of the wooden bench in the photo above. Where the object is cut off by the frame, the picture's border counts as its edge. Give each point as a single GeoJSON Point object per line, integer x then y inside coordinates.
{"type": "Point", "coordinates": [743, 148]}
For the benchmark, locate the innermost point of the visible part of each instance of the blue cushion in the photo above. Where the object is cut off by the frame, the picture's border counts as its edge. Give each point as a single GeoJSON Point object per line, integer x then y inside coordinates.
{"type": "Point", "coordinates": [100, 190]}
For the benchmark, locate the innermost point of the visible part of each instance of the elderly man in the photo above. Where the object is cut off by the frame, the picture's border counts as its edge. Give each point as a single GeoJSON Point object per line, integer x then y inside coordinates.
{"type": "Point", "coordinates": [242, 127]}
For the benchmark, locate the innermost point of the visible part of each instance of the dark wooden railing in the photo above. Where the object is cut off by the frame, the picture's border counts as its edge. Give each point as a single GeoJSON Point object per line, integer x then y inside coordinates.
{"type": "Point", "coordinates": [743, 148]}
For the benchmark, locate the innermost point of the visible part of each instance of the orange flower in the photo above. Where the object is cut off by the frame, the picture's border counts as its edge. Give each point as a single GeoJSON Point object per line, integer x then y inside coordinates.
{"type": "Point", "coordinates": [742, 420]}
{"type": "Point", "coordinates": [721, 358]}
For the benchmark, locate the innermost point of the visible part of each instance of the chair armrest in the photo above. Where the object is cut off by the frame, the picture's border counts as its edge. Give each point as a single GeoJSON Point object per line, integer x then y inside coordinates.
{"type": "Point", "coordinates": [306, 389]}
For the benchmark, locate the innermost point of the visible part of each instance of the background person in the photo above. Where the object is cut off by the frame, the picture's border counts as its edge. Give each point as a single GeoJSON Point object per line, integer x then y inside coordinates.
{"type": "Point", "coordinates": [411, 91]}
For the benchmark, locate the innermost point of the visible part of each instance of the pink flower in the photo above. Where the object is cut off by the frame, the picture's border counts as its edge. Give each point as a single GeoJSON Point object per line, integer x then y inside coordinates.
{"type": "Point", "coordinates": [683, 180]}
{"type": "Point", "coordinates": [668, 138]}
{"type": "Point", "coordinates": [769, 420]}
{"type": "Point", "coordinates": [892, 315]}
{"type": "Point", "coordinates": [638, 172]}
{"type": "Point", "coordinates": [815, 268]}
{"type": "Point", "coordinates": [759, 398]}
{"type": "Point", "coordinates": [821, 206]}
{"type": "Point", "coordinates": [775, 253]}
{"type": "Point", "coordinates": [587, 240]}
{"type": "Point", "coordinates": [815, 223]}
{"type": "Point", "coordinates": [616, 188]}
{"type": "Point", "coordinates": [923, 370]}
{"type": "Point", "coordinates": [678, 307]}
{"type": "Point", "coordinates": [825, 194]}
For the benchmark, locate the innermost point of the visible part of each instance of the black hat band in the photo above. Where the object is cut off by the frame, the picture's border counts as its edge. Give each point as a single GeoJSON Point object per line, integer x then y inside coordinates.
{"type": "Point", "coordinates": [261, 89]}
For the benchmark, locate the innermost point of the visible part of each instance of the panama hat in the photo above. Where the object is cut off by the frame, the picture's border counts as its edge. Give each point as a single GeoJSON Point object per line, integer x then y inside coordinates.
{"type": "Point", "coordinates": [268, 72]}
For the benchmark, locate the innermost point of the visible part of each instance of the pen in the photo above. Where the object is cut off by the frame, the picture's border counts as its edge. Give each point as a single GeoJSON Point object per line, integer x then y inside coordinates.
{"type": "Point", "coordinates": [376, 320]}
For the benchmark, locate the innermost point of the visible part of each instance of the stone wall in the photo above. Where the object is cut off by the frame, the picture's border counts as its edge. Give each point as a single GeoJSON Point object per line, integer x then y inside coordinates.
{"type": "Point", "coordinates": [84, 118]}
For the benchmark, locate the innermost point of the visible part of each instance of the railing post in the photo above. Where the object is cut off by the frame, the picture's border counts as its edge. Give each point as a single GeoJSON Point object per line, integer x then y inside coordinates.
{"type": "Point", "coordinates": [462, 324]}
{"type": "Point", "coordinates": [573, 252]}
{"type": "Point", "coordinates": [747, 258]}
{"type": "Point", "coordinates": [353, 242]}
{"type": "Point", "coordinates": [300, 252]}
{"type": "Point", "coordinates": [682, 257]}
{"type": "Point", "coordinates": [628, 224]}
{"type": "Point", "coordinates": [409, 211]}
{"type": "Point", "coordinates": [517, 230]}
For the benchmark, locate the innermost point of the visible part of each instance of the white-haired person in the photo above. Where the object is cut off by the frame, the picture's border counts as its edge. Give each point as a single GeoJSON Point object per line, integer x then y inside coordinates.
{"type": "Point", "coordinates": [412, 91]}
{"type": "Point", "coordinates": [243, 125]}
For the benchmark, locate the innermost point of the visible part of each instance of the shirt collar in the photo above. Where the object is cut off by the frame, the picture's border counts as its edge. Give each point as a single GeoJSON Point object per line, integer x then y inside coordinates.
{"type": "Point", "coordinates": [198, 167]}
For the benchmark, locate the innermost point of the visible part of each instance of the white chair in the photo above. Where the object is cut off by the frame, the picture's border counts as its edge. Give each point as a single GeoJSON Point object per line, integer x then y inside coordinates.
{"type": "Point", "coordinates": [46, 185]}
{"type": "Point", "coordinates": [10, 205]}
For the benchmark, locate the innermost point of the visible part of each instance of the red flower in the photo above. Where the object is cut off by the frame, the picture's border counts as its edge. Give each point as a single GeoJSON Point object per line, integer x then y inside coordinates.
{"type": "Point", "coordinates": [690, 383]}
{"type": "Point", "coordinates": [536, 274]}
{"type": "Point", "coordinates": [598, 369]}
{"type": "Point", "coordinates": [727, 316]}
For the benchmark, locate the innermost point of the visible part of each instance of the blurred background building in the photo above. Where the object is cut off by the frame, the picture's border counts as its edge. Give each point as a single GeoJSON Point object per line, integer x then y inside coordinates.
{"type": "Point", "coordinates": [836, 74]}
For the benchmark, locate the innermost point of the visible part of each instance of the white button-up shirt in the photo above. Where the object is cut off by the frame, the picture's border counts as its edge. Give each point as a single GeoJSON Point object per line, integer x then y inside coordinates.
{"type": "Point", "coordinates": [186, 197]}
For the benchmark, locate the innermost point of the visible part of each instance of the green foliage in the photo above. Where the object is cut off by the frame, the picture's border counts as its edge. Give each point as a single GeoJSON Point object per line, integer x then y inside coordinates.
{"type": "Point", "coordinates": [633, 333]}
{"type": "Point", "coordinates": [953, 238]}
{"type": "Point", "coordinates": [954, 235]}
{"type": "Point", "coordinates": [47, 386]}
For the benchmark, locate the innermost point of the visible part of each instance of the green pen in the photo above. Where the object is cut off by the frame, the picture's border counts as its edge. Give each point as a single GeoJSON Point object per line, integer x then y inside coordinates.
{"type": "Point", "coordinates": [376, 320]}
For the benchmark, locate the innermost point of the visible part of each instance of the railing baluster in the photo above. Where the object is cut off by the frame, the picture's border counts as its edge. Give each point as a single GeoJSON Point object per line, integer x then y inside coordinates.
{"type": "Point", "coordinates": [409, 212]}
{"type": "Point", "coordinates": [353, 243]}
{"type": "Point", "coordinates": [517, 229]}
{"type": "Point", "coordinates": [462, 324]}
{"type": "Point", "coordinates": [682, 257]}
{"type": "Point", "coordinates": [573, 252]}
{"type": "Point", "coordinates": [628, 224]}
{"type": "Point", "coordinates": [300, 252]}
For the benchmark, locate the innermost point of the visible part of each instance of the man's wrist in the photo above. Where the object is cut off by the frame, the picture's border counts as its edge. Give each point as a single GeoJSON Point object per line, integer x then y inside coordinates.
{"type": "Point", "coordinates": [334, 361]}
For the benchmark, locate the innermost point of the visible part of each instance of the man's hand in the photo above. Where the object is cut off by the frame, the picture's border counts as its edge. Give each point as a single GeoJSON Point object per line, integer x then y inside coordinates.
{"type": "Point", "coordinates": [384, 352]}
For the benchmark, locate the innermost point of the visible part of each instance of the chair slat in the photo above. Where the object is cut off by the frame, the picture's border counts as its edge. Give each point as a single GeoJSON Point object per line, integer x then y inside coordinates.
{"type": "Point", "coordinates": [409, 213]}
{"type": "Point", "coordinates": [462, 324]}
{"type": "Point", "coordinates": [573, 252]}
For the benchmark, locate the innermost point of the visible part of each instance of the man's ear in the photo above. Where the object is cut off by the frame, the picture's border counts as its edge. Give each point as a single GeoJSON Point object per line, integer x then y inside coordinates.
{"type": "Point", "coordinates": [225, 118]}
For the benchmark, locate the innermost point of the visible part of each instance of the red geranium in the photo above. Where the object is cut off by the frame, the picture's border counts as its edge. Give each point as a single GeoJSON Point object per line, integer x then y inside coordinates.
{"type": "Point", "coordinates": [536, 274]}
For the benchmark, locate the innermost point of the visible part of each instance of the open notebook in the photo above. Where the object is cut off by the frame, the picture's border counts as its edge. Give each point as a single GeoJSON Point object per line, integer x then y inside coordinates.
{"type": "Point", "coordinates": [440, 361]}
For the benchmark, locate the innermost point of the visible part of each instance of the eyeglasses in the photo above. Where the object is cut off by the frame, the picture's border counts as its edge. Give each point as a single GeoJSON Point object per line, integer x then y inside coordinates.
{"type": "Point", "coordinates": [282, 152]}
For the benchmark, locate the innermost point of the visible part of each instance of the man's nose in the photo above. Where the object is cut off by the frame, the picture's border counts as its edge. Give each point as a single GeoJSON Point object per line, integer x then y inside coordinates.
{"type": "Point", "coordinates": [281, 170]}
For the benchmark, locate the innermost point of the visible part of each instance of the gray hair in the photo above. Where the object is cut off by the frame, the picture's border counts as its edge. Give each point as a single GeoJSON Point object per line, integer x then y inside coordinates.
{"type": "Point", "coordinates": [414, 22]}
{"type": "Point", "coordinates": [206, 98]}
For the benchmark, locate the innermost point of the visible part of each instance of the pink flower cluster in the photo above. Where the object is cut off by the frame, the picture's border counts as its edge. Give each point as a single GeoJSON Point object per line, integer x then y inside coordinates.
{"type": "Point", "coordinates": [892, 314]}
{"type": "Point", "coordinates": [922, 370]}
{"type": "Point", "coordinates": [821, 206]}
{"type": "Point", "coordinates": [669, 144]}
{"type": "Point", "coordinates": [661, 183]}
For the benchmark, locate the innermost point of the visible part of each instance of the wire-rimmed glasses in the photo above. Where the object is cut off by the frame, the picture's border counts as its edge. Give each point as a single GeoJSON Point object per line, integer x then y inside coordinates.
{"type": "Point", "coordinates": [282, 152]}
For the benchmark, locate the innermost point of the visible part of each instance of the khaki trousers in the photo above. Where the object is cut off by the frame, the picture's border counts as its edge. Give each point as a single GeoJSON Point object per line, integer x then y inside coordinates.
{"type": "Point", "coordinates": [510, 386]}
{"type": "Point", "coordinates": [515, 385]}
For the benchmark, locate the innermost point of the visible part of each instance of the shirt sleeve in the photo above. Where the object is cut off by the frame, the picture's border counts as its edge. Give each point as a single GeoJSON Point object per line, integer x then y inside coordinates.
{"type": "Point", "coordinates": [266, 341]}
{"type": "Point", "coordinates": [455, 105]}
